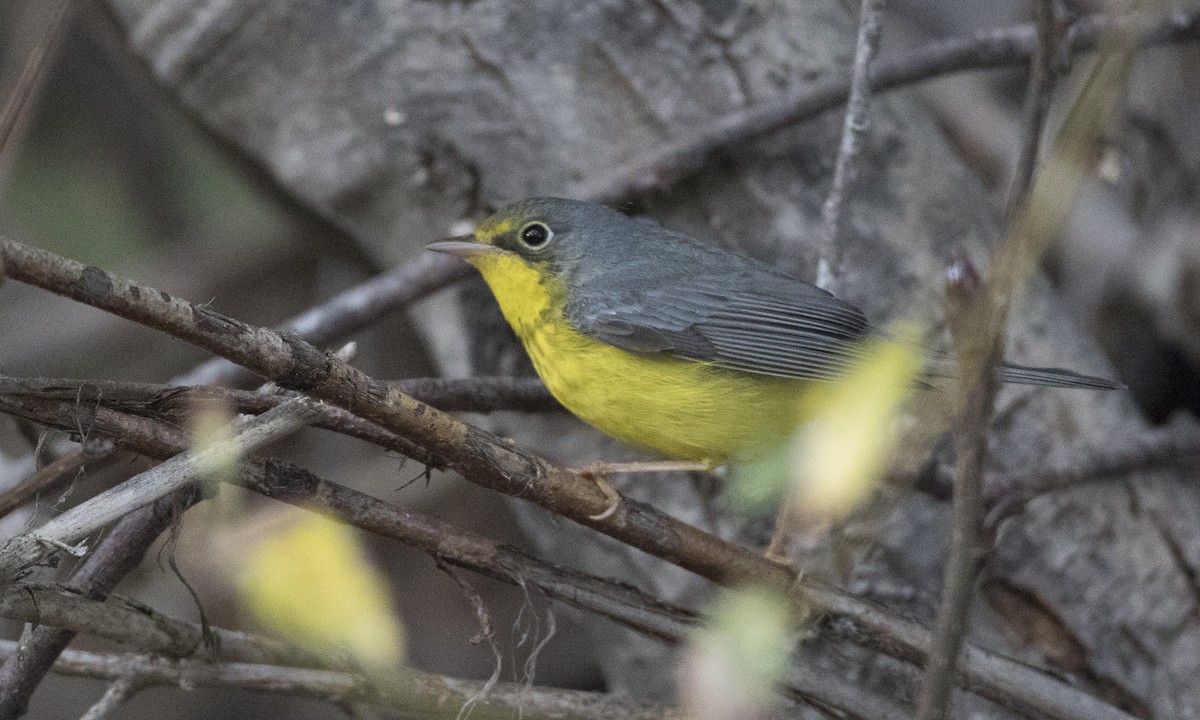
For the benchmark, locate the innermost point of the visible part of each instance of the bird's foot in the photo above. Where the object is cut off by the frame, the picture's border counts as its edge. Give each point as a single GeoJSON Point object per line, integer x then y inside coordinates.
{"type": "Point", "coordinates": [598, 473]}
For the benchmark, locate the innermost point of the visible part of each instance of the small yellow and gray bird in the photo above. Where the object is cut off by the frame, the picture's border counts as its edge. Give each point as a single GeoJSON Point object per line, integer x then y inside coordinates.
{"type": "Point", "coordinates": [666, 342]}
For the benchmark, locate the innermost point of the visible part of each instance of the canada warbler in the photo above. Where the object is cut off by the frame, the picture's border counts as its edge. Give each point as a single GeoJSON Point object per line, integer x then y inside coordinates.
{"type": "Point", "coordinates": [664, 341]}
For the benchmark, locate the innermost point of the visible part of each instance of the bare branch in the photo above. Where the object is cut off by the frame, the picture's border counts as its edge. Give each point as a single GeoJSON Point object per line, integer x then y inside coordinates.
{"type": "Point", "coordinates": [19, 105]}
{"type": "Point", "coordinates": [978, 315]}
{"type": "Point", "coordinates": [413, 692]}
{"type": "Point", "coordinates": [117, 694]}
{"type": "Point", "coordinates": [80, 521]}
{"type": "Point", "coordinates": [350, 310]}
{"type": "Point", "coordinates": [870, 25]}
{"type": "Point", "coordinates": [42, 480]}
{"type": "Point", "coordinates": [979, 342]}
{"type": "Point", "coordinates": [144, 628]}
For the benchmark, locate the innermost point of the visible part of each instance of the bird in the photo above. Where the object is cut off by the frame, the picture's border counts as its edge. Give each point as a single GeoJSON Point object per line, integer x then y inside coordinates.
{"type": "Point", "coordinates": [667, 342]}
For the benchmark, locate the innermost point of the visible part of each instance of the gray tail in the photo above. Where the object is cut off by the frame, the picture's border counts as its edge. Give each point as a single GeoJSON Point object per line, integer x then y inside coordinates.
{"type": "Point", "coordinates": [1054, 377]}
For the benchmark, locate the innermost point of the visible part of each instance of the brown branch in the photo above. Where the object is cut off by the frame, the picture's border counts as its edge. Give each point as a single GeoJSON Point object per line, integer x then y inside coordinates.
{"type": "Point", "coordinates": [977, 331]}
{"type": "Point", "coordinates": [854, 127]}
{"type": "Point", "coordinates": [44, 479]}
{"type": "Point", "coordinates": [1042, 77]}
{"type": "Point", "coordinates": [349, 311]}
{"type": "Point", "coordinates": [1037, 216]}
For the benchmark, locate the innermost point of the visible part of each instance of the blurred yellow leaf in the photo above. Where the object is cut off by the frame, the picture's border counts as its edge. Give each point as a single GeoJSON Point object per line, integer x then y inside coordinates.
{"type": "Point", "coordinates": [308, 579]}
{"type": "Point", "coordinates": [733, 663]}
{"type": "Point", "coordinates": [840, 456]}
{"type": "Point", "coordinates": [210, 423]}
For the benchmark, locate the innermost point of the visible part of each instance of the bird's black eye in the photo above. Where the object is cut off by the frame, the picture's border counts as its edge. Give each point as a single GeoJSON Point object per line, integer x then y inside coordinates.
{"type": "Point", "coordinates": [535, 235]}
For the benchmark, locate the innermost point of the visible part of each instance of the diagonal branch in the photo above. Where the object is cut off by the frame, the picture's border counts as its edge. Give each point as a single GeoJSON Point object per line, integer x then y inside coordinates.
{"type": "Point", "coordinates": [854, 127]}
{"type": "Point", "coordinates": [82, 520]}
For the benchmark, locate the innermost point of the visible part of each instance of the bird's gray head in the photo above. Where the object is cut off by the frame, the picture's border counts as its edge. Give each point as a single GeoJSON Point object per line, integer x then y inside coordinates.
{"type": "Point", "coordinates": [565, 235]}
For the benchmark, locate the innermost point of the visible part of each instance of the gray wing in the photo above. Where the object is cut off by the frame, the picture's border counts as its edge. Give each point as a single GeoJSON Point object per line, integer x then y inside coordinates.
{"type": "Point", "coordinates": [752, 321]}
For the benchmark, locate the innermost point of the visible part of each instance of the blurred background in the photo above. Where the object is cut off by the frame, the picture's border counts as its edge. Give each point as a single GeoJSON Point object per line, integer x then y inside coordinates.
{"type": "Point", "coordinates": [108, 168]}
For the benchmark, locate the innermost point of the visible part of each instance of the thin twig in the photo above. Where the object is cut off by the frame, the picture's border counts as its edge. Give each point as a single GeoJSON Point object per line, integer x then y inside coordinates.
{"type": "Point", "coordinates": [117, 694]}
{"type": "Point", "coordinates": [413, 693]}
{"type": "Point", "coordinates": [1042, 78]}
{"type": "Point", "coordinates": [42, 480]}
{"type": "Point", "coordinates": [977, 318]}
{"type": "Point", "coordinates": [349, 311]}
{"type": "Point", "coordinates": [854, 128]}
{"type": "Point", "coordinates": [19, 105]}
{"type": "Point", "coordinates": [978, 335]}
{"type": "Point", "coordinates": [80, 521]}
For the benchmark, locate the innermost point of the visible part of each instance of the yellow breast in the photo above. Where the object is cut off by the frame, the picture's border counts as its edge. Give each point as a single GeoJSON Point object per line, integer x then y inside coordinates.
{"type": "Point", "coordinates": [687, 410]}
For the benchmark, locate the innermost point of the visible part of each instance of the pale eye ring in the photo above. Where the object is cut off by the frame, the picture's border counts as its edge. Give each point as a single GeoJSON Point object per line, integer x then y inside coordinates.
{"type": "Point", "coordinates": [535, 235]}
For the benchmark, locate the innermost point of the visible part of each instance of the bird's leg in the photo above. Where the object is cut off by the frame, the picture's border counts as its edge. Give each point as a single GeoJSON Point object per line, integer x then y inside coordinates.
{"type": "Point", "coordinates": [598, 473]}
{"type": "Point", "coordinates": [648, 466]}
{"type": "Point", "coordinates": [777, 550]}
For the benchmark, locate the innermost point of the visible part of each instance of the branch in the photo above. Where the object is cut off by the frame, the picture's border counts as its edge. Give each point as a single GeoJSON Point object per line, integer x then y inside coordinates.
{"type": "Point", "coordinates": [42, 480]}
{"type": "Point", "coordinates": [82, 520]}
{"type": "Point", "coordinates": [350, 310]}
{"type": "Point", "coordinates": [118, 693]}
{"type": "Point", "coordinates": [19, 106]}
{"type": "Point", "coordinates": [978, 335]}
{"type": "Point", "coordinates": [176, 403]}
{"type": "Point", "coordinates": [833, 213]}
{"type": "Point", "coordinates": [413, 693]}
{"type": "Point", "coordinates": [978, 314]}
{"type": "Point", "coordinates": [145, 629]}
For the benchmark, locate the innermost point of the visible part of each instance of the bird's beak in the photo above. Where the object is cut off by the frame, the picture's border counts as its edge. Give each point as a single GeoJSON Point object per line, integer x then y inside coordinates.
{"type": "Point", "coordinates": [464, 246]}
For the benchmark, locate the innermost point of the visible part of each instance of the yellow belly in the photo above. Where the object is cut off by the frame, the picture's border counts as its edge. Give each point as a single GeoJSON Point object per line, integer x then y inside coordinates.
{"type": "Point", "coordinates": [684, 409]}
